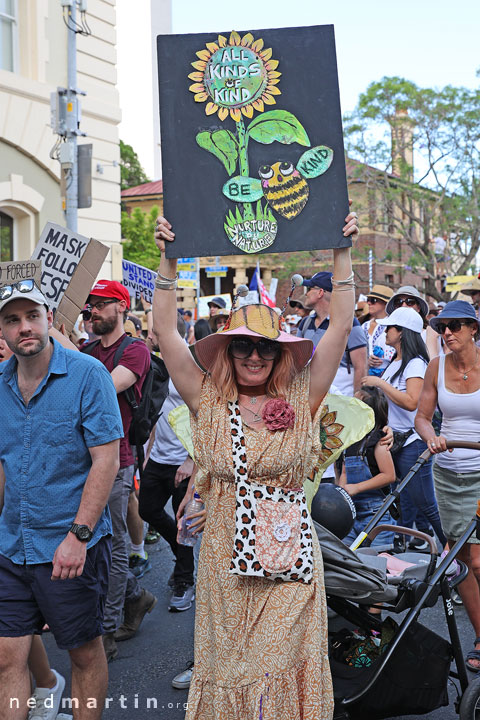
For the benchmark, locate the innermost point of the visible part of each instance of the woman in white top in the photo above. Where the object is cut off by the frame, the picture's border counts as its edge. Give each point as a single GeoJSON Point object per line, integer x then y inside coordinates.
{"type": "Point", "coordinates": [402, 383]}
{"type": "Point", "coordinates": [453, 382]}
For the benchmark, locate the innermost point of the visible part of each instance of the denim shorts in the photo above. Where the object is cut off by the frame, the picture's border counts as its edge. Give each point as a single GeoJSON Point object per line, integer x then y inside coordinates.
{"type": "Point", "coordinates": [72, 608]}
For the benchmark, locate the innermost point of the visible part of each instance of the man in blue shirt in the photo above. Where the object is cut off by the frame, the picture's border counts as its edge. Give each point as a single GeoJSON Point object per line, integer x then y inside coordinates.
{"type": "Point", "coordinates": [59, 441]}
{"type": "Point", "coordinates": [353, 365]}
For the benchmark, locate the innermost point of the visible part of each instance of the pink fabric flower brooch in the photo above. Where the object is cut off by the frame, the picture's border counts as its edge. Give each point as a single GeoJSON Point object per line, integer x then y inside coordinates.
{"type": "Point", "coordinates": [278, 414]}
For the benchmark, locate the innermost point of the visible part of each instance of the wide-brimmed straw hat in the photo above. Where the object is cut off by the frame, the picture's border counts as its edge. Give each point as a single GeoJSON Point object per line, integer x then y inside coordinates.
{"type": "Point", "coordinates": [381, 292]}
{"type": "Point", "coordinates": [254, 321]}
{"type": "Point", "coordinates": [470, 288]}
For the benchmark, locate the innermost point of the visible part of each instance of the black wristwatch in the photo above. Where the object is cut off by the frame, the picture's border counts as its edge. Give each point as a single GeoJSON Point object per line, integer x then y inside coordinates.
{"type": "Point", "coordinates": [82, 532]}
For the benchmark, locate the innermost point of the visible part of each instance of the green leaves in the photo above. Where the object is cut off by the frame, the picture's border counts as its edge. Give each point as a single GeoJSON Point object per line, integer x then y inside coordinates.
{"type": "Point", "coordinates": [277, 125]}
{"type": "Point", "coordinates": [223, 145]}
{"type": "Point", "coordinates": [137, 231]}
{"type": "Point", "coordinates": [315, 162]}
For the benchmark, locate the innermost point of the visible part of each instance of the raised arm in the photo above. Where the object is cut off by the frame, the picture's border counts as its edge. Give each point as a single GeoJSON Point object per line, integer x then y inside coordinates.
{"type": "Point", "coordinates": [331, 347]}
{"type": "Point", "coordinates": [185, 373]}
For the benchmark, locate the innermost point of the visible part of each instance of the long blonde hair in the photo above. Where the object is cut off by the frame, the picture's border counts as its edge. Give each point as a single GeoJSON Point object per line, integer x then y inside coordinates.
{"type": "Point", "coordinates": [223, 374]}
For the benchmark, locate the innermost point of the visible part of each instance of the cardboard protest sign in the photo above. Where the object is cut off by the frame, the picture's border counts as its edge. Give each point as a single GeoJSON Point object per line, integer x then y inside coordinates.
{"type": "Point", "coordinates": [138, 280]}
{"type": "Point", "coordinates": [16, 270]}
{"type": "Point", "coordinates": [203, 300]}
{"type": "Point", "coordinates": [252, 144]}
{"type": "Point", "coordinates": [71, 263]}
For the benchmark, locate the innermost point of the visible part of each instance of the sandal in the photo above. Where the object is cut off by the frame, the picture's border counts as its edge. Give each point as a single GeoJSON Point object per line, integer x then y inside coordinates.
{"type": "Point", "coordinates": [473, 655]}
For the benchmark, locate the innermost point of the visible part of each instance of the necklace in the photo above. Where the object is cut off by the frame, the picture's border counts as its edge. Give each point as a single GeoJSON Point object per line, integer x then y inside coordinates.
{"type": "Point", "coordinates": [465, 372]}
{"type": "Point", "coordinates": [256, 415]}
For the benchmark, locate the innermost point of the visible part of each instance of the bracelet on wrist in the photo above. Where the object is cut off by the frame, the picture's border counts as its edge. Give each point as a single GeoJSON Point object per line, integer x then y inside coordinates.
{"type": "Point", "coordinates": [344, 287]}
{"type": "Point", "coordinates": [347, 281]}
{"type": "Point", "coordinates": [165, 284]}
{"type": "Point", "coordinates": [166, 279]}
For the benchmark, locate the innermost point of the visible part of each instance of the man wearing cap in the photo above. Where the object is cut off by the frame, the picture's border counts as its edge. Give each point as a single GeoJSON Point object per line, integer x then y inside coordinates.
{"type": "Point", "coordinates": [379, 353]}
{"type": "Point", "coordinates": [353, 365]}
{"type": "Point", "coordinates": [59, 454]}
{"type": "Point", "coordinates": [109, 302]}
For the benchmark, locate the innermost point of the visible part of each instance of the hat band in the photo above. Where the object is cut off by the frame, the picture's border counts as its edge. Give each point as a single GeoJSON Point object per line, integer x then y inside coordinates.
{"type": "Point", "coordinates": [379, 296]}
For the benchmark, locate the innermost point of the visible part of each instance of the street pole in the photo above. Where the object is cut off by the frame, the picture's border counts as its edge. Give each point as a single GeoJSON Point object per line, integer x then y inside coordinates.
{"type": "Point", "coordinates": [218, 280]}
{"type": "Point", "coordinates": [71, 194]}
{"type": "Point", "coordinates": [370, 269]}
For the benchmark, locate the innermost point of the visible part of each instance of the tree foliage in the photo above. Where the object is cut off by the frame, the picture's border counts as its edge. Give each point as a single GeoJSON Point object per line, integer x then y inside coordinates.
{"type": "Point", "coordinates": [419, 155]}
{"type": "Point", "coordinates": [131, 172]}
{"type": "Point", "coordinates": [138, 230]}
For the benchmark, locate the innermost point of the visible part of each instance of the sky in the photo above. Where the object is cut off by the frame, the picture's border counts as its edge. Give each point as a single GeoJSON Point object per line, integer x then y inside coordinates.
{"type": "Point", "coordinates": [430, 42]}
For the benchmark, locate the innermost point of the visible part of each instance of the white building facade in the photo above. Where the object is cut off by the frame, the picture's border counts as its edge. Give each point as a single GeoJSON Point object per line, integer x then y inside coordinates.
{"type": "Point", "coordinates": [33, 63]}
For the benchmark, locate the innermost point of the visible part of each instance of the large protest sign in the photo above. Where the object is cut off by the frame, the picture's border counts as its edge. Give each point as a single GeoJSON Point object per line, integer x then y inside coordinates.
{"type": "Point", "coordinates": [71, 263]}
{"type": "Point", "coordinates": [16, 270]}
{"type": "Point", "coordinates": [138, 280]}
{"type": "Point", "coordinates": [252, 143]}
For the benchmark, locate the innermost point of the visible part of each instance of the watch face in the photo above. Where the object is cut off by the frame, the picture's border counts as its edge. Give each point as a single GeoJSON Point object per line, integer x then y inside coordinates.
{"type": "Point", "coordinates": [83, 533]}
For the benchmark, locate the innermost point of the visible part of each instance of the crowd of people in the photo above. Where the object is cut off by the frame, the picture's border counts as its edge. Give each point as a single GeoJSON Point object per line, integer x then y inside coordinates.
{"type": "Point", "coordinates": [253, 382]}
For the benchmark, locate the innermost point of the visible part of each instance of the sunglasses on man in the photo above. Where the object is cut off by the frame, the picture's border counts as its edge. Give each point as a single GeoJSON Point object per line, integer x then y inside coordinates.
{"type": "Point", "coordinates": [98, 305]}
{"type": "Point", "coordinates": [23, 286]}
{"type": "Point", "coordinates": [409, 302]}
{"type": "Point", "coordinates": [454, 326]}
{"type": "Point", "coordinates": [266, 349]}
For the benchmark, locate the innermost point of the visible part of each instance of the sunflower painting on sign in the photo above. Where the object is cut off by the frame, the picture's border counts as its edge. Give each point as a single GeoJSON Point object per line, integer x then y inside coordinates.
{"type": "Point", "coordinates": [254, 87]}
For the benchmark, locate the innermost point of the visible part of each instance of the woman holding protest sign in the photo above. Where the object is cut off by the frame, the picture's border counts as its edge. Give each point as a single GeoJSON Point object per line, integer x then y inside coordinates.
{"type": "Point", "coordinates": [261, 625]}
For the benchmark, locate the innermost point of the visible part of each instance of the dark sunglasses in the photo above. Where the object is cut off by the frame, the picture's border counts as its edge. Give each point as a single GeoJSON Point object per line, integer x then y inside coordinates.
{"type": "Point", "coordinates": [23, 286]}
{"type": "Point", "coordinates": [373, 300]}
{"type": "Point", "coordinates": [409, 302]}
{"type": "Point", "coordinates": [242, 349]}
{"type": "Point", "coordinates": [454, 326]}
{"type": "Point", "coordinates": [98, 305]}
{"type": "Point", "coordinates": [398, 328]}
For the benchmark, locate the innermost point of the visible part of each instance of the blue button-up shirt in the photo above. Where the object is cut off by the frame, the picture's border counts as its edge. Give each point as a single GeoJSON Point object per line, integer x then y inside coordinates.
{"type": "Point", "coordinates": [44, 451]}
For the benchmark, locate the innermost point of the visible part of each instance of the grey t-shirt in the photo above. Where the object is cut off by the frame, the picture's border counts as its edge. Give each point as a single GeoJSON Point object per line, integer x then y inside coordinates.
{"type": "Point", "coordinates": [355, 340]}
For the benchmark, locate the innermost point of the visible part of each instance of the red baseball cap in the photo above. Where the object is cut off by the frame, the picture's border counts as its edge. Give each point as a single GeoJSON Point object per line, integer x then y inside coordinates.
{"type": "Point", "coordinates": [110, 289]}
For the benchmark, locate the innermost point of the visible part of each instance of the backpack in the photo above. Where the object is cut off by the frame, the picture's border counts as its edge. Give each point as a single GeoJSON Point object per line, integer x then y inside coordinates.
{"type": "Point", "coordinates": [154, 392]}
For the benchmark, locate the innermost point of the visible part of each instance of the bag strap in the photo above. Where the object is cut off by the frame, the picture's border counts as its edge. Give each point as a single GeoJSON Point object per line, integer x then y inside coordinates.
{"type": "Point", "coordinates": [236, 428]}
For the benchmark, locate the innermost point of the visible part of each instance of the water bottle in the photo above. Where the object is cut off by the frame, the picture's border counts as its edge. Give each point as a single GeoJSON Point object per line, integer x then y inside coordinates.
{"type": "Point", "coordinates": [378, 352]}
{"type": "Point", "coordinates": [185, 536]}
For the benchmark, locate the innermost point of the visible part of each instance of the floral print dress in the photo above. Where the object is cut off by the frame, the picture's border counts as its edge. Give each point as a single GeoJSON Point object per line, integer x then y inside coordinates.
{"type": "Point", "coordinates": [260, 645]}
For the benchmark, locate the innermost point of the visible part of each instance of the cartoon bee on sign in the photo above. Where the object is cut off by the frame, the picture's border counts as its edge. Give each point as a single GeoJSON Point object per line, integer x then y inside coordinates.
{"type": "Point", "coordinates": [283, 185]}
{"type": "Point", "coordinates": [284, 189]}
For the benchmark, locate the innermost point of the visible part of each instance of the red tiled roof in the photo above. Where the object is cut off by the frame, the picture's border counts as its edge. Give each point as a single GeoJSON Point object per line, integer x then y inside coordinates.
{"type": "Point", "coordinates": [150, 188]}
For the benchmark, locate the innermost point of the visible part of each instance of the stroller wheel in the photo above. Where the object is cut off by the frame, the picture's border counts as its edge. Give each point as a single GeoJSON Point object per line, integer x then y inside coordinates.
{"type": "Point", "coordinates": [470, 704]}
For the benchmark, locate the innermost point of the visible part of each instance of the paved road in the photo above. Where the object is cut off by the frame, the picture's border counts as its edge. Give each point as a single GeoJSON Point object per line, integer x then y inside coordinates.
{"type": "Point", "coordinates": [140, 677]}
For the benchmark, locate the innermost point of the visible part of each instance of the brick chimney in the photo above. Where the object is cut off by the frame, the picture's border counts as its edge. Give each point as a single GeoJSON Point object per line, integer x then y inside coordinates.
{"type": "Point", "coordinates": [402, 144]}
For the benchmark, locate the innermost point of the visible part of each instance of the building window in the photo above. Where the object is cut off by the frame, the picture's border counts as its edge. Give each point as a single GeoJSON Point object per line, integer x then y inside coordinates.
{"type": "Point", "coordinates": [8, 34]}
{"type": "Point", "coordinates": [6, 238]}
{"type": "Point", "coordinates": [389, 279]}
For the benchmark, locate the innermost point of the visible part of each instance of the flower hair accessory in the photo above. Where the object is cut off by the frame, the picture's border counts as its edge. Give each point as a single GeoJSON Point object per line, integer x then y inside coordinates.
{"type": "Point", "coordinates": [278, 414]}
